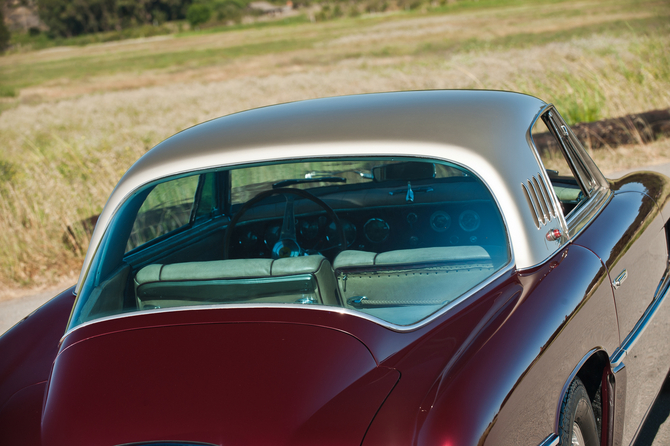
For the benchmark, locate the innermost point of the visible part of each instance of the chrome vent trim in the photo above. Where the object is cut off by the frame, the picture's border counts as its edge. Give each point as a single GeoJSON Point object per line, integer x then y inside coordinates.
{"type": "Point", "coordinates": [539, 201]}
{"type": "Point", "coordinates": [531, 205]}
{"type": "Point", "coordinates": [543, 200]}
{"type": "Point", "coordinates": [547, 198]}
{"type": "Point", "coordinates": [541, 205]}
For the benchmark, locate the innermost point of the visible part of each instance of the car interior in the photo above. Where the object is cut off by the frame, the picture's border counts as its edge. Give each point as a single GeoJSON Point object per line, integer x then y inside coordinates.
{"type": "Point", "coordinates": [397, 239]}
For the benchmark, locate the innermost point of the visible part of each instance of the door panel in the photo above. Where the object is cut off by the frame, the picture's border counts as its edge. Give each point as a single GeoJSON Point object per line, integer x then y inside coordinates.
{"type": "Point", "coordinates": [629, 236]}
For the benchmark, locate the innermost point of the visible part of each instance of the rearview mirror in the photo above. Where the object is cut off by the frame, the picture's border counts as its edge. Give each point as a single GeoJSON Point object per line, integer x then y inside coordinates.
{"type": "Point", "coordinates": [406, 171]}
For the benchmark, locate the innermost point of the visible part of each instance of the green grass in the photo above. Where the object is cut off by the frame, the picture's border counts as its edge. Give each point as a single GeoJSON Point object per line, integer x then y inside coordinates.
{"type": "Point", "coordinates": [23, 41]}
{"type": "Point", "coordinates": [590, 93]}
{"type": "Point", "coordinates": [7, 91]}
{"type": "Point", "coordinates": [297, 33]}
{"type": "Point", "coordinates": [85, 67]}
{"type": "Point", "coordinates": [637, 27]}
{"type": "Point", "coordinates": [218, 28]}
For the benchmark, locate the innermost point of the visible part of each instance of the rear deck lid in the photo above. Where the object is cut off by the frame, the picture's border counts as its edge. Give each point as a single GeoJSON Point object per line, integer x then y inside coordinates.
{"type": "Point", "coordinates": [220, 383]}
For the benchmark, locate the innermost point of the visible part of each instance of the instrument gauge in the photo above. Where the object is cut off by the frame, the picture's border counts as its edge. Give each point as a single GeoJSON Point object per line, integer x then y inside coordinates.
{"type": "Point", "coordinates": [376, 230]}
{"type": "Point", "coordinates": [440, 221]}
{"type": "Point", "coordinates": [349, 232]}
{"type": "Point", "coordinates": [469, 220]}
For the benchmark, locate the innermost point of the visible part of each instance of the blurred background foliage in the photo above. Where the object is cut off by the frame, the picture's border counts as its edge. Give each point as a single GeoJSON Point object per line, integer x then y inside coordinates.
{"type": "Point", "coordinates": [67, 18]}
{"type": "Point", "coordinates": [37, 22]}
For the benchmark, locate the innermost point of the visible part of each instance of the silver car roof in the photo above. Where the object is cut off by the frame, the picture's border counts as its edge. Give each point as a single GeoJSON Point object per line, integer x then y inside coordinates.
{"type": "Point", "coordinates": [485, 131]}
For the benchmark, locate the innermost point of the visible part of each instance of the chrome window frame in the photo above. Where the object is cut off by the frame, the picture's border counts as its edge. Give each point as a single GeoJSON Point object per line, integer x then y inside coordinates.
{"type": "Point", "coordinates": [594, 186]}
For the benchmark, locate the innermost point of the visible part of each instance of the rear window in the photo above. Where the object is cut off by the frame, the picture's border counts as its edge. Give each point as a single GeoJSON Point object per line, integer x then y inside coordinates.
{"type": "Point", "coordinates": [396, 239]}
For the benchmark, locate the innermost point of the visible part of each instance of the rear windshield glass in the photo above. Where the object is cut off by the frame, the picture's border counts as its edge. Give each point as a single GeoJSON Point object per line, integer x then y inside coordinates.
{"type": "Point", "coordinates": [396, 239]}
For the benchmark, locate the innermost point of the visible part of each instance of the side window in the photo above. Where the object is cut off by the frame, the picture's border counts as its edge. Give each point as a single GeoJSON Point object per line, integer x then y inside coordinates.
{"type": "Point", "coordinates": [570, 179]}
{"type": "Point", "coordinates": [167, 207]}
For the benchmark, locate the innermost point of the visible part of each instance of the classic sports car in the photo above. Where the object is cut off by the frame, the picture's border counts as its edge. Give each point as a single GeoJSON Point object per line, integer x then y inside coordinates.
{"type": "Point", "coordinates": [405, 268]}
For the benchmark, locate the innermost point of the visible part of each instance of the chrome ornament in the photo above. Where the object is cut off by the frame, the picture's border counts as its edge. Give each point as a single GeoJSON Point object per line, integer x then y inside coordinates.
{"type": "Point", "coordinates": [553, 235]}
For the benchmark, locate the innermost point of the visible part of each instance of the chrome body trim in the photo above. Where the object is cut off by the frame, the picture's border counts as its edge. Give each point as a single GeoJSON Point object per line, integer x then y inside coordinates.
{"type": "Point", "coordinates": [581, 218]}
{"type": "Point", "coordinates": [566, 150]}
{"type": "Point", "coordinates": [507, 269]}
{"type": "Point", "coordinates": [531, 203]}
{"type": "Point", "coordinates": [620, 353]}
{"type": "Point", "coordinates": [541, 198]}
{"type": "Point", "coordinates": [620, 366]}
{"type": "Point", "coordinates": [551, 440]}
{"type": "Point", "coordinates": [616, 283]}
{"type": "Point", "coordinates": [547, 198]}
{"type": "Point", "coordinates": [597, 177]}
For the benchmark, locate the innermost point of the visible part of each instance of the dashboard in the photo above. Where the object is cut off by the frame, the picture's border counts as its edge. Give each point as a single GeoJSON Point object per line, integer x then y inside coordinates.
{"type": "Point", "coordinates": [379, 229]}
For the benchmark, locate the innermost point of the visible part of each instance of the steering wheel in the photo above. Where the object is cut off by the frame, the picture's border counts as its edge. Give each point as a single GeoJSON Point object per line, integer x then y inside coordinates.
{"type": "Point", "coordinates": [287, 246]}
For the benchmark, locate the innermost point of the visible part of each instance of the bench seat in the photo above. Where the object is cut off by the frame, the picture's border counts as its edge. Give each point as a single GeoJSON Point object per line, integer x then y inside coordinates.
{"type": "Point", "coordinates": [307, 279]}
{"type": "Point", "coordinates": [404, 285]}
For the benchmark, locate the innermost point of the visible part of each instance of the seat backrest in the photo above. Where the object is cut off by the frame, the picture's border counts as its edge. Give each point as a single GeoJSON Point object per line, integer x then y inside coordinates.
{"type": "Point", "coordinates": [423, 276]}
{"type": "Point", "coordinates": [307, 279]}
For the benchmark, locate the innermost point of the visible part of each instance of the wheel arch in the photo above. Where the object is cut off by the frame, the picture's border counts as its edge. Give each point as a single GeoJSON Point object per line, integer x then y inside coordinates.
{"type": "Point", "coordinates": [594, 372]}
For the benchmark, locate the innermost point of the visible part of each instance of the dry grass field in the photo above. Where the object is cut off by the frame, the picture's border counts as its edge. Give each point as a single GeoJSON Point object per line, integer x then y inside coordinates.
{"type": "Point", "coordinates": [75, 118]}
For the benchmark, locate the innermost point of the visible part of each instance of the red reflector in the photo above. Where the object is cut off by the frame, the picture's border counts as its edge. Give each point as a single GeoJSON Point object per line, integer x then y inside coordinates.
{"type": "Point", "coordinates": [553, 235]}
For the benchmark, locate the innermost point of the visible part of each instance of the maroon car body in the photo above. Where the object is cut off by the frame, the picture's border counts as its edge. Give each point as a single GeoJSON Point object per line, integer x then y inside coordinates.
{"type": "Point", "coordinates": [493, 367]}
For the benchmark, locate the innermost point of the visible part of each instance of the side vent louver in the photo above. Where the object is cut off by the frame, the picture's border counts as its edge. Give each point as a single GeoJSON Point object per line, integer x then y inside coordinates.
{"type": "Point", "coordinates": [539, 201]}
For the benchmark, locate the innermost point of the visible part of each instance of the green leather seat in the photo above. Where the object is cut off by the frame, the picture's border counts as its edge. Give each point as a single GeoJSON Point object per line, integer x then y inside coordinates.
{"type": "Point", "coordinates": [307, 279]}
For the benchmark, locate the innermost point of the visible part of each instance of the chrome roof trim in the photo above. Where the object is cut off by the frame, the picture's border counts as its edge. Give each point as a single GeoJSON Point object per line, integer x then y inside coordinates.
{"type": "Point", "coordinates": [444, 125]}
{"type": "Point", "coordinates": [506, 269]}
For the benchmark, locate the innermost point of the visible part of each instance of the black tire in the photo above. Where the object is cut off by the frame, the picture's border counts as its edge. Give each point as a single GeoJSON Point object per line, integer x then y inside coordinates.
{"type": "Point", "coordinates": [577, 425]}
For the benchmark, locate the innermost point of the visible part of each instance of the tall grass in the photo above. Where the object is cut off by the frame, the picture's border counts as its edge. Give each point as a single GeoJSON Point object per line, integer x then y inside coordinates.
{"type": "Point", "coordinates": [59, 161]}
{"type": "Point", "coordinates": [42, 200]}
{"type": "Point", "coordinates": [611, 83]}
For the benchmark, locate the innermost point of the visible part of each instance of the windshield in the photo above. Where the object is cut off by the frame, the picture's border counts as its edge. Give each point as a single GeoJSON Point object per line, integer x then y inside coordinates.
{"type": "Point", "coordinates": [396, 239]}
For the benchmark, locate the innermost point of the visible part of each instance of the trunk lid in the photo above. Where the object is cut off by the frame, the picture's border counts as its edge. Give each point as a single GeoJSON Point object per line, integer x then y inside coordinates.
{"type": "Point", "coordinates": [241, 383]}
